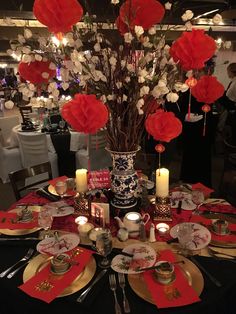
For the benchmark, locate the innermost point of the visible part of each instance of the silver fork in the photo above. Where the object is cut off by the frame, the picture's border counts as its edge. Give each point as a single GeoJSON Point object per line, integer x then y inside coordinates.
{"type": "Point", "coordinates": [126, 306]}
{"type": "Point", "coordinates": [112, 281]}
{"type": "Point", "coordinates": [11, 274]}
{"type": "Point", "coordinates": [24, 258]}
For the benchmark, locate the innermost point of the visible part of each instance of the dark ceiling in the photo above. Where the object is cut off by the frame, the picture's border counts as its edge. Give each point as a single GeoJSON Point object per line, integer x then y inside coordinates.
{"type": "Point", "coordinates": [22, 9]}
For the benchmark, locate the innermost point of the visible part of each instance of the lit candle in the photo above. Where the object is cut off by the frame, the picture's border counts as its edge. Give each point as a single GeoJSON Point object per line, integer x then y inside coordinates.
{"type": "Point", "coordinates": [81, 180]}
{"type": "Point", "coordinates": [81, 220]}
{"type": "Point", "coordinates": [162, 228]}
{"type": "Point", "coordinates": [162, 182]}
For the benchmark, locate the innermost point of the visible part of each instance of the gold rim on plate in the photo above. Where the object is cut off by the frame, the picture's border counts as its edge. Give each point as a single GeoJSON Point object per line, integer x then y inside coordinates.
{"type": "Point", "coordinates": [190, 270]}
{"type": "Point", "coordinates": [223, 244]}
{"type": "Point", "coordinates": [41, 261]}
{"type": "Point", "coordinates": [21, 231]}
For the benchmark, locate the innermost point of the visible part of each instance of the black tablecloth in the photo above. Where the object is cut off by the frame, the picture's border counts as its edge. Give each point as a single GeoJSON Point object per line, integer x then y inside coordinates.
{"type": "Point", "coordinates": [66, 158]}
{"type": "Point", "coordinates": [213, 300]}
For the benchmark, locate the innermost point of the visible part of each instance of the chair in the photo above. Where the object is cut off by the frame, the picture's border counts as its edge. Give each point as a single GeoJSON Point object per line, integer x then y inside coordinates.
{"type": "Point", "coordinates": [34, 150]}
{"type": "Point", "coordinates": [6, 125]}
{"type": "Point", "coordinates": [95, 157]}
{"type": "Point", "coordinates": [25, 111]}
{"type": "Point", "coordinates": [18, 179]}
{"type": "Point", "coordinates": [10, 160]}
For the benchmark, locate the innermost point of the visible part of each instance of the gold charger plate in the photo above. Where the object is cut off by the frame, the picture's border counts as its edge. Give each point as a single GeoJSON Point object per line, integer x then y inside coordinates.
{"type": "Point", "coordinates": [221, 244]}
{"type": "Point", "coordinates": [51, 189]}
{"type": "Point", "coordinates": [21, 231]}
{"type": "Point", "coordinates": [190, 270]}
{"type": "Point", "coordinates": [41, 261]}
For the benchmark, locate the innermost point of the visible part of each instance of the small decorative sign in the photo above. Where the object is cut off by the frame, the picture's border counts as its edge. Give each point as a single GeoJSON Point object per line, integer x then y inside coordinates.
{"type": "Point", "coordinates": [99, 179]}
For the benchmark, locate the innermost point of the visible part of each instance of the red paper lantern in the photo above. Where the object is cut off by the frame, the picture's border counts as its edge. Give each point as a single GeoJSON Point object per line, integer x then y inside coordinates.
{"type": "Point", "coordinates": [36, 72]}
{"type": "Point", "coordinates": [143, 13]}
{"type": "Point", "coordinates": [163, 125]}
{"type": "Point", "coordinates": [193, 49]}
{"type": "Point", "coordinates": [85, 113]}
{"type": "Point", "coordinates": [58, 15]}
{"type": "Point", "coordinates": [208, 89]}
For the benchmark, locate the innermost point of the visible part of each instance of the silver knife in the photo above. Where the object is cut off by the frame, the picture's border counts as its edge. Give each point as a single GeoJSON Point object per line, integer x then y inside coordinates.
{"type": "Point", "coordinates": [84, 294]}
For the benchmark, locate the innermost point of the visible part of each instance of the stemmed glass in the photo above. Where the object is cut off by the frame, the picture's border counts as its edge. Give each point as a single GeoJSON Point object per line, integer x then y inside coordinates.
{"type": "Point", "coordinates": [198, 199]}
{"type": "Point", "coordinates": [61, 188]}
{"type": "Point", "coordinates": [45, 219]}
{"type": "Point", "coordinates": [185, 237]}
{"type": "Point", "coordinates": [104, 248]}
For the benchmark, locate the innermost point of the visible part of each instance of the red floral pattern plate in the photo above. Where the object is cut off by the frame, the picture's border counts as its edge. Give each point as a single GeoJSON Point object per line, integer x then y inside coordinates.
{"type": "Point", "coordinates": [143, 256]}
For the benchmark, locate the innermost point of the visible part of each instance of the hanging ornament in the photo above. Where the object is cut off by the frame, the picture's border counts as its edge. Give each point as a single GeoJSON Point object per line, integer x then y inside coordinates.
{"type": "Point", "coordinates": [36, 72]}
{"type": "Point", "coordinates": [205, 108]}
{"type": "Point", "coordinates": [160, 149]}
{"type": "Point", "coordinates": [191, 82]}
{"type": "Point", "coordinates": [58, 15]}
{"type": "Point", "coordinates": [85, 113]}
{"type": "Point", "coordinates": [189, 52]}
{"type": "Point", "coordinates": [207, 90]}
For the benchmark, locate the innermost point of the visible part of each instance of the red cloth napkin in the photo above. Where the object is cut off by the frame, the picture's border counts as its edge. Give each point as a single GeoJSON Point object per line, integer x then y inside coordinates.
{"type": "Point", "coordinates": [199, 186]}
{"type": "Point", "coordinates": [215, 237]}
{"type": "Point", "coordinates": [218, 208]}
{"type": "Point", "coordinates": [9, 221]}
{"type": "Point", "coordinates": [177, 293]}
{"type": "Point", "coordinates": [55, 283]}
{"type": "Point", "coordinates": [55, 180]}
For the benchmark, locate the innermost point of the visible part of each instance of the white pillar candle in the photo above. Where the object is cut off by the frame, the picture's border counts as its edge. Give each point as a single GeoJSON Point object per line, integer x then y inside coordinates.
{"type": "Point", "coordinates": [162, 182]}
{"type": "Point", "coordinates": [81, 180]}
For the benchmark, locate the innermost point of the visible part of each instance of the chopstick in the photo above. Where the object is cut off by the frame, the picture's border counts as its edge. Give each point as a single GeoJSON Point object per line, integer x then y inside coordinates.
{"type": "Point", "coordinates": [203, 269]}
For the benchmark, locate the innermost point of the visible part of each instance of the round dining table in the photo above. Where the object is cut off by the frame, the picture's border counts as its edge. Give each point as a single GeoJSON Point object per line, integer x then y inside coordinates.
{"type": "Point", "coordinates": [213, 299]}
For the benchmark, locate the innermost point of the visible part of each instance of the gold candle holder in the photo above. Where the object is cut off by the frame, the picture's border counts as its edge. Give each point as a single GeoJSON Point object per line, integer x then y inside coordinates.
{"type": "Point", "coordinates": [162, 210]}
{"type": "Point", "coordinates": [82, 204]}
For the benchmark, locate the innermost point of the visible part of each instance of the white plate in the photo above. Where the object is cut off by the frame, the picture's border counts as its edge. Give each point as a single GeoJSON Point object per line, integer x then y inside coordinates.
{"type": "Point", "coordinates": [60, 209]}
{"type": "Point", "coordinates": [201, 236]}
{"type": "Point", "coordinates": [144, 256]}
{"type": "Point", "coordinates": [186, 198]}
{"type": "Point", "coordinates": [52, 246]}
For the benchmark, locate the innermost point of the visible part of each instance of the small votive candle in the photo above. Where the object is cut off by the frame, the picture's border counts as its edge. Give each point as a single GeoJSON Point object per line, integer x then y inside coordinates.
{"type": "Point", "coordinates": [81, 220]}
{"type": "Point", "coordinates": [162, 228]}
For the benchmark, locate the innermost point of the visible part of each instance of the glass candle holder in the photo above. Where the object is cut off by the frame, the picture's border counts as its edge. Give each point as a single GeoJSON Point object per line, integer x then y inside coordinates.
{"type": "Point", "coordinates": [81, 220]}
{"type": "Point", "coordinates": [162, 228]}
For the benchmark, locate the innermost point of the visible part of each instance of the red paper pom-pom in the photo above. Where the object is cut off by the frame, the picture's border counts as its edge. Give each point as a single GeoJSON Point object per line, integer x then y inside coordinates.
{"type": "Point", "coordinates": [208, 89]}
{"type": "Point", "coordinates": [143, 13]}
{"type": "Point", "coordinates": [85, 113]}
{"type": "Point", "coordinates": [122, 27]}
{"type": "Point", "coordinates": [36, 72]}
{"type": "Point", "coordinates": [58, 15]}
{"type": "Point", "coordinates": [206, 108]}
{"type": "Point", "coordinates": [160, 148]}
{"type": "Point", "coordinates": [193, 49]}
{"type": "Point", "coordinates": [163, 126]}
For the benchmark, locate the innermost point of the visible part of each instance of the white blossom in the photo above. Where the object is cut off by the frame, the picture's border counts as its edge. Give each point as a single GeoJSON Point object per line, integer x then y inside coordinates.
{"type": "Point", "coordinates": [45, 75]}
{"type": "Point", "coordinates": [130, 67]}
{"type": "Point", "coordinates": [32, 87]}
{"type": "Point", "coordinates": [26, 58]}
{"type": "Point", "coordinates": [217, 19]}
{"type": "Point", "coordinates": [189, 74]}
{"type": "Point", "coordinates": [172, 97]}
{"type": "Point", "coordinates": [188, 26]}
{"type": "Point", "coordinates": [139, 106]}
{"type": "Point", "coordinates": [115, 2]}
{"type": "Point", "coordinates": [103, 98]}
{"type": "Point", "coordinates": [144, 90]}
{"type": "Point", "coordinates": [188, 15]}
{"type": "Point", "coordinates": [168, 5]}
{"type": "Point", "coordinates": [138, 30]}
{"type": "Point", "coordinates": [21, 39]}
{"type": "Point", "coordinates": [227, 44]}
{"type": "Point", "coordinates": [52, 66]}
{"type": "Point", "coordinates": [78, 43]}
{"type": "Point", "coordinates": [26, 50]}
{"type": "Point", "coordinates": [97, 47]}
{"type": "Point", "coordinates": [42, 41]}
{"type": "Point", "coordinates": [127, 79]}
{"type": "Point", "coordinates": [65, 85]}
{"type": "Point", "coordinates": [112, 61]}
{"type": "Point", "coordinates": [181, 87]}
{"type": "Point", "coordinates": [27, 33]}
{"type": "Point", "coordinates": [152, 30]}
{"type": "Point", "coordinates": [128, 37]}
{"type": "Point", "coordinates": [119, 85]}
{"type": "Point", "coordinates": [38, 57]}
{"type": "Point", "coordinates": [124, 97]}
{"type": "Point", "coordinates": [111, 97]}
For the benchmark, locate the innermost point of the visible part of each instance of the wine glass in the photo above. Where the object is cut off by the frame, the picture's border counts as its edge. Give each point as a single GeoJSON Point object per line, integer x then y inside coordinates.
{"type": "Point", "coordinates": [104, 248]}
{"type": "Point", "coordinates": [62, 125]}
{"type": "Point", "coordinates": [61, 188]}
{"type": "Point", "coordinates": [198, 199]}
{"type": "Point", "coordinates": [45, 219]}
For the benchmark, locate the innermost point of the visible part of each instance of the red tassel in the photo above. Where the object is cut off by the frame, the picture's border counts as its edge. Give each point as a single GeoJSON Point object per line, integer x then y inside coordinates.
{"type": "Point", "coordinates": [204, 125]}
{"type": "Point", "coordinates": [189, 105]}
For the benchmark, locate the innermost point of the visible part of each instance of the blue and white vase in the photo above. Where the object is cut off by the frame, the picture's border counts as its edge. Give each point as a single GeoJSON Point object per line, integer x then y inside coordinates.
{"type": "Point", "coordinates": [124, 179]}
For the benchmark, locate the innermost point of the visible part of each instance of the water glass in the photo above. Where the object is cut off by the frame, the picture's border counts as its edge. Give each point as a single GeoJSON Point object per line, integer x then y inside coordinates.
{"type": "Point", "coordinates": [45, 219]}
{"type": "Point", "coordinates": [198, 199]}
{"type": "Point", "coordinates": [61, 188]}
{"type": "Point", "coordinates": [104, 248]}
{"type": "Point", "coordinates": [185, 237]}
